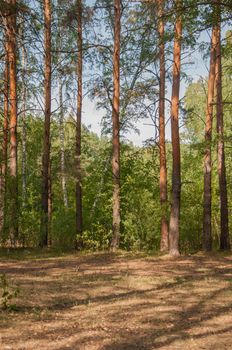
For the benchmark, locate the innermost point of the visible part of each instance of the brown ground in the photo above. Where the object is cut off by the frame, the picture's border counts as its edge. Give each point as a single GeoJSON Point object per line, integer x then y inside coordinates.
{"type": "Point", "coordinates": [116, 302]}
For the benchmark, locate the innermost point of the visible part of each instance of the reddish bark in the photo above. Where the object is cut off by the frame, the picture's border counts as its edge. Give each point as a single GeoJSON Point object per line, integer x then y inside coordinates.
{"type": "Point", "coordinates": [46, 186]}
{"type": "Point", "coordinates": [116, 128]}
{"type": "Point", "coordinates": [13, 173]}
{"type": "Point", "coordinates": [224, 226]}
{"type": "Point", "coordinates": [162, 147]}
{"type": "Point", "coordinates": [176, 174]}
{"type": "Point", "coordinates": [207, 212]}
{"type": "Point", "coordinates": [4, 141]}
{"type": "Point", "coordinates": [23, 117]}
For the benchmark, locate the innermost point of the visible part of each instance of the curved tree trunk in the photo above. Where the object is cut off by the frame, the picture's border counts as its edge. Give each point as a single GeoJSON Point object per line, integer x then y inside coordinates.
{"type": "Point", "coordinates": [162, 147]}
{"type": "Point", "coordinates": [207, 212]}
{"type": "Point", "coordinates": [176, 174]}
{"type": "Point", "coordinates": [46, 186]}
{"type": "Point", "coordinates": [79, 217]}
{"type": "Point", "coordinates": [116, 129]}
{"type": "Point", "coordinates": [224, 235]}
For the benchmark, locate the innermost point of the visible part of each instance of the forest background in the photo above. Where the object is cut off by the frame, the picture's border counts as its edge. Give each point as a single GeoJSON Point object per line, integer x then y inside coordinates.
{"type": "Point", "coordinates": [56, 173]}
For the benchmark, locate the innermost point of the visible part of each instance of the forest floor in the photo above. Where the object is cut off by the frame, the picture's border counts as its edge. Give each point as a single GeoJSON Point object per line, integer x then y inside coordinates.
{"type": "Point", "coordinates": [117, 302]}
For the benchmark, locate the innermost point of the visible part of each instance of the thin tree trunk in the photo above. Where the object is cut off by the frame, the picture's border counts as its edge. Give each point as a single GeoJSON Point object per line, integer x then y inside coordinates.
{"type": "Point", "coordinates": [162, 147]}
{"type": "Point", "coordinates": [116, 129]}
{"type": "Point", "coordinates": [79, 218]}
{"type": "Point", "coordinates": [46, 188]}
{"type": "Point", "coordinates": [24, 130]}
{"type": "Point", "coordinates": [207, 235]}
{"type": "Point", "coordinates": [176, 173]}
{"type": "Point", "coordinates": [224, 226]}
{"type": "Point", "coordinates": [62, 149]}
{"type": "Point", "coordinates": [13, 173]}
{"type": "Point", "coordinates": [61, 119]}
{"type": "Point", "coordinates": [4, 143]}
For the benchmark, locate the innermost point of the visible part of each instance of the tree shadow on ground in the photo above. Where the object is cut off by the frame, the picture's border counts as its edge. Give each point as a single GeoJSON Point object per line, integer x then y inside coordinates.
{"type": "Point", "coordinates": [99, 305]}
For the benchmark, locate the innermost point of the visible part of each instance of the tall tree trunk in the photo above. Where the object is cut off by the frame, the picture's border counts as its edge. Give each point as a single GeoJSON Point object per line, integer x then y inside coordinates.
{"type": "Point", "coordinates": [24, 130]}
{"type": "Point", "coordinates": [116, 128]}
{"type": "Point", "coordinates": [62, 150]}
{"type": "Point", "coordinates": [61, 119]}
{"type": "Point", "coordinates": [13, 173]}
{"type": "Point", "coordinates": [46, 187]}
{"type": "Point", "coordinates": [79, 218]}
{"type": "Point", "coordinates": [224, 235]}
{"type": "Point", "coordinates": [162, 147]}
{"type": "Point", "coordinates": [176, 174]}
{"type": "Point", "coordinates": [4, 143]}
{"type": "Point", "coordinates": [207, 236]}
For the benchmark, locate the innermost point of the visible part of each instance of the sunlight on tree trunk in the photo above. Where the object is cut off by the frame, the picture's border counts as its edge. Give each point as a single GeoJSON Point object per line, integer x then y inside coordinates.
{"type": "Point", "coordinates": [13, 173]}
{"type": "Point", "coordinates": [24, 106]}
{"type": "Point", "coordinates": [207, 212]}
{"type": "Point", "coordinates": [176, 175]}
{"type": "Point", "coordinates": [4, 143]}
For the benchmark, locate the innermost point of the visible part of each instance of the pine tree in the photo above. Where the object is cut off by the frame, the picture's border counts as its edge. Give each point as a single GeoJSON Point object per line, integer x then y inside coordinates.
{"type": "Point", "coordinates": [79, 217]}
{"type": "Point", "coordinates": [162, 147]}
{"type": "Point", "coordinates": [46, 162]}
{"type": "Point", "coordinates": [174, 226]}
{"type": "Point", "coordinates": [13, 169]}
{"type": "Point", "coordinates": [207, 204]}
{"type": "Point", "coordinates": [116, 129]}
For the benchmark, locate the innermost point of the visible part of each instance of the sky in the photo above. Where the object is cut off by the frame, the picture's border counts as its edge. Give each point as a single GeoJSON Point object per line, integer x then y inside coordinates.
{"type": "Point", "coordinates": [198, 68]}
{"type": "Point", "coordinates": [193, 65]}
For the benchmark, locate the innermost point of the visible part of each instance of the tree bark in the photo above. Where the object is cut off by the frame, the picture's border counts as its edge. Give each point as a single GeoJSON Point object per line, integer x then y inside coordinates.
{"type": "Point", "coordinates": [4, 142]}
{"type": "Point", "coordinates": [24, 130]}
{"type": "Point", "coordinates": [207, 212]}
{"type": "Point", "coordinates": [176, 172]}
{"type": "Point", "coordinates": [162, 147]}
{"type": "Point", "coordinates": [61, 116]}
{"type": "Point", "coordinates": [224, 226]}
{"type": "Point", "coordinates": [46, 185]}
{"type": "Point", "coordinates": [79, 216]}
{"type": "Point", "coordinates": [13, 173]}
{"type": "Point", "coordinates": [116, 129]}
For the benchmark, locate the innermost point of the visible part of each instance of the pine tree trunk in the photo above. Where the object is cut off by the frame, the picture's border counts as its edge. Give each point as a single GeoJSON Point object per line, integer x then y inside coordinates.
{"type": "Point", "coordinates": [116, 129]}
{"type": "Point", "coordinates": [4, 143]}
{"type": "Point", "coordinates": [24, 130]}
{"type": "Point", "coordinates": [224, 235]}
{"type": "Point", "coordinates": [61, 119]}
{"type": "Point", "coordinates": [176, 173]}
{"type": "Point", "coordinates": [162, 147]}
{"type": "Point", "coordinates": [62, 149]}
{"type": "Point", "coordinates": [207, 235]}
{"type": "Point", "coordinates": [79, 218]}
{"type": "Point", "coordinates": [13, 173]}
{"type": "Point", "coordinates": [46, 186]}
